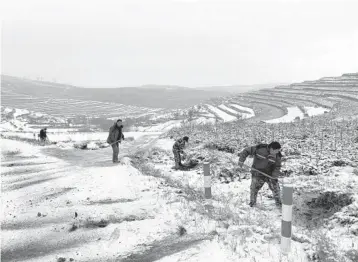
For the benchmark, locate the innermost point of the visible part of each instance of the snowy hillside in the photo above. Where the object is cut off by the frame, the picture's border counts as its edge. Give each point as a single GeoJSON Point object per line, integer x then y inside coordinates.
{"type": "Point", "coordinates": [299, 100]}
{"type": "Point", "coordinates": [87, 209]}
{"type": "Point", "coordinates": [67, 201]}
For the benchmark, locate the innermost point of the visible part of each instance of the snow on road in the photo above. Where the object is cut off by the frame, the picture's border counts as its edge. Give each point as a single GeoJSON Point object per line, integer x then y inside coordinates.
{"type": "Point", "coordinates": [224, 116]}
{"type": "Point", "coordinates": [92, 213]}
{"type": "Point", "coordinates": [58, 135]}
{"type": "Point", "coordinates": [292, 113]}
{"type": "Point", "coordinates": [57, 207]}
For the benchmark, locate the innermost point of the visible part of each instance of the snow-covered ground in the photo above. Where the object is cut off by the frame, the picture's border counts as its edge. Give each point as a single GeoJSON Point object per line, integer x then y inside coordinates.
{"type": "Point", "coordinates": [96, 213]}
{"type": "Point", "coordinates": [73, 136]}
{"type": "Point", "coordinates": [292, 113]}
{"type": "Point", "coordinates": [250, 114]}
{"type": "Point", "coordinates": [314, 111]}
{"type": "Point", "coordinates": [19, 112]}
{"type": "Point", "coordinates": [162, 127]}
{"type": "Point", "coordinates": [224, 116]}
{"type": "Point", "coordinates": [204, 120]}
{"type": "Point", "coordinates": [7, 110]}
{"type": "Point", "coordinates": [243, 115]}
{"type": "Point", "coordinates": [103, 212]}
{"type": "Point", "coordinates": [222, 106]}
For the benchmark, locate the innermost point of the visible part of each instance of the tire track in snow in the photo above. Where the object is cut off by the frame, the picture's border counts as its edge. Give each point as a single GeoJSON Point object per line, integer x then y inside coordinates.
{"type": "Point", "coordinates": [167, 247]}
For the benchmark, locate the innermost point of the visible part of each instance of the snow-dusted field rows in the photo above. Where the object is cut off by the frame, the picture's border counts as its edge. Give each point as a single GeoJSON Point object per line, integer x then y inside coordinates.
{"type": "Point", "coordinates": [221, 114]}
{"type": "Point", "coordinates": [321, 161]}
{"type": "Point", "coordinates": [68, 107]}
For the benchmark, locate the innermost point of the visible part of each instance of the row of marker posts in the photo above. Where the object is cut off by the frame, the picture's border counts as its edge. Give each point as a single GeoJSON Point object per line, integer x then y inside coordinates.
{"type": "Point", "coordinates": [287, 201]}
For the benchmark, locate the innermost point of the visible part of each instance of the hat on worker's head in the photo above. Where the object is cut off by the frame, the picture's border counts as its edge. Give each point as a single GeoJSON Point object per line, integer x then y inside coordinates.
{"type": "Point", "coordinates": [185, 138]}
{"type": "Point", "coordinates": [274, 145]}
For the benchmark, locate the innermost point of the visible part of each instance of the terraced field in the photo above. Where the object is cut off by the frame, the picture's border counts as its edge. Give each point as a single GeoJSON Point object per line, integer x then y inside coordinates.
{"type": "Point", "coordinates": [72, 107]}
{"type": "Point", "coordinates": [307, 98]}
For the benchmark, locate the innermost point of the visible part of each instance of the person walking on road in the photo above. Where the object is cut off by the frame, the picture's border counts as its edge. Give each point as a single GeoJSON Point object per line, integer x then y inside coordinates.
{"type": "Point", "coordinates": [43, 136]}
{"type": "Point", "coordinates": [115, 137]}
{"type": "Point", "coordinates": [178, 147]}
{"type": "Point", "coordinates": [267, 159]}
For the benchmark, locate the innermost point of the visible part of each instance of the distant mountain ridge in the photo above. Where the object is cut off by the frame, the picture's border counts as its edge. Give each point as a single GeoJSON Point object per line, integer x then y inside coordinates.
{"type": "Point", "coordinates": [151, 96]}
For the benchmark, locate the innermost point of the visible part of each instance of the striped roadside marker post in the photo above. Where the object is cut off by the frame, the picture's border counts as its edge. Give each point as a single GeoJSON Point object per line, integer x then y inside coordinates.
{"type": "Point", "coordinates": [207, 180]}
{"type": "Point", "coordinates": [286, 223]}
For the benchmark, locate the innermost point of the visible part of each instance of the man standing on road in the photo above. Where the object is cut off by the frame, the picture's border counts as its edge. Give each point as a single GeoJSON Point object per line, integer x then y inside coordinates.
{"type": "Point", "coordinates": [178, 147]}
{"type": "Point", "coordinates": [267, 159]}
{"type": "Point", "coordinates": [43, 135]}
{"type": "Point", "coordinates": [115, 137]}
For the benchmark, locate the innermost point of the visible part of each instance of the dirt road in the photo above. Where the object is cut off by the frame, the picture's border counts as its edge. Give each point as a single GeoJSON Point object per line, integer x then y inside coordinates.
{"type": "Point", "coordinates": [76, 205]}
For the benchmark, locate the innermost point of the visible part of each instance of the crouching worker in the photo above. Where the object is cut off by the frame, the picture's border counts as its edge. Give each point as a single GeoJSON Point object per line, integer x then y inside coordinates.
{"type": "Point", "coordinates": [178, 147]}
{"type": "Point", "coordinates": [267, 159]}
{"type": "Point", "coordinates": [115, 137]}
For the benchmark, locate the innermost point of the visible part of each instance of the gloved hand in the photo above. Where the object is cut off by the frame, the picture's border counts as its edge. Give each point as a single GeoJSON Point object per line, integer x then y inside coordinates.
{"type": "Point", "coordinates": [184, 156]}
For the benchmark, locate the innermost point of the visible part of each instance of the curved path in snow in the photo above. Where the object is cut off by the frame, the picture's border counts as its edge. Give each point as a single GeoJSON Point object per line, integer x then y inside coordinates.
{"type": "Point", "coordinates": [76, 204]}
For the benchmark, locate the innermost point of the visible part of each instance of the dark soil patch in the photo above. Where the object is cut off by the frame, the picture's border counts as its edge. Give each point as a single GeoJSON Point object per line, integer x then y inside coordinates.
{"type": "Point", "coordinates": [339, 163]}
{"type": "Point", "coordinates": [93, 223]}
{"type": "Point", "coordinates": [330, 200]}
{"type": "Point", "coordinates": [181, 231]}
{"type": "Point", "coordinates": [314, 210]}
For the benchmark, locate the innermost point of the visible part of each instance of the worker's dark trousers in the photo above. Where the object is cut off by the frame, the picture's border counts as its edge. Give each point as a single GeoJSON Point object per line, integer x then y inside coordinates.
{"type": "Point", "coordinates": [115, 148]}
{"type": "Point", "coordinates": [257, 181]}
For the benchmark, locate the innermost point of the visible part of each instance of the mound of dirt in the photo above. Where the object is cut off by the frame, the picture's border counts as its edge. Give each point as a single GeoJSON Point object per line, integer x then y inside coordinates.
{"type": "Point", "coordinates": [339, 163]}
{"type": "Point", "coordinates": [317, 207]}
{"type": "Point", "coordinates": [330, 200]}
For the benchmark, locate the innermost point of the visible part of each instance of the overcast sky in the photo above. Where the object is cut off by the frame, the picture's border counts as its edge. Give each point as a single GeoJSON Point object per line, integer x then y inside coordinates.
{"type": "Point", "coordinates": [183, 42]}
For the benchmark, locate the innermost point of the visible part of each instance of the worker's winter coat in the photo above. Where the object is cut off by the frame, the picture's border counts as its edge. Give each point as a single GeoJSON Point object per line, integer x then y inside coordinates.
{"type": "Point", "coordinates": [179, 145]}
{"type": "Point", "coordinates": [263, 161]}
{"type": "Point", "coordinates": [177, 150]}
{"type": "Point", "coordinates": [115, 134]}
{"type": "Point", "coordinates": [43, 134]}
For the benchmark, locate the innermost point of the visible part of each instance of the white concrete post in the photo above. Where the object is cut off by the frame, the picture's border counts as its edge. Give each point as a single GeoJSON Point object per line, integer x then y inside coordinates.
{"type": "Point", "coordinates": [286, 223]}
{"type": "Point", "coordinates": [207, 180]}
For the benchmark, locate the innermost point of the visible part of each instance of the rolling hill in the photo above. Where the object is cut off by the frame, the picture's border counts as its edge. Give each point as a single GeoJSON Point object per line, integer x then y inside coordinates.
{"type": "Point", "coordinates": [156, 105]}
{"type": "Point", "coordinates": [160, 96]}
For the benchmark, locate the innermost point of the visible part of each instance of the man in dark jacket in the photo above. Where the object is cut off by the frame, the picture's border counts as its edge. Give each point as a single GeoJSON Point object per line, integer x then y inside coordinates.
{"type": "Point", "coordinates": [115, 137]}
{"type": "Point", "coordinates": [178, 149]}
{"type": "Point", "coordinates": [267, 159]}
{"type": "Point", "coordinates": [43, 135]}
